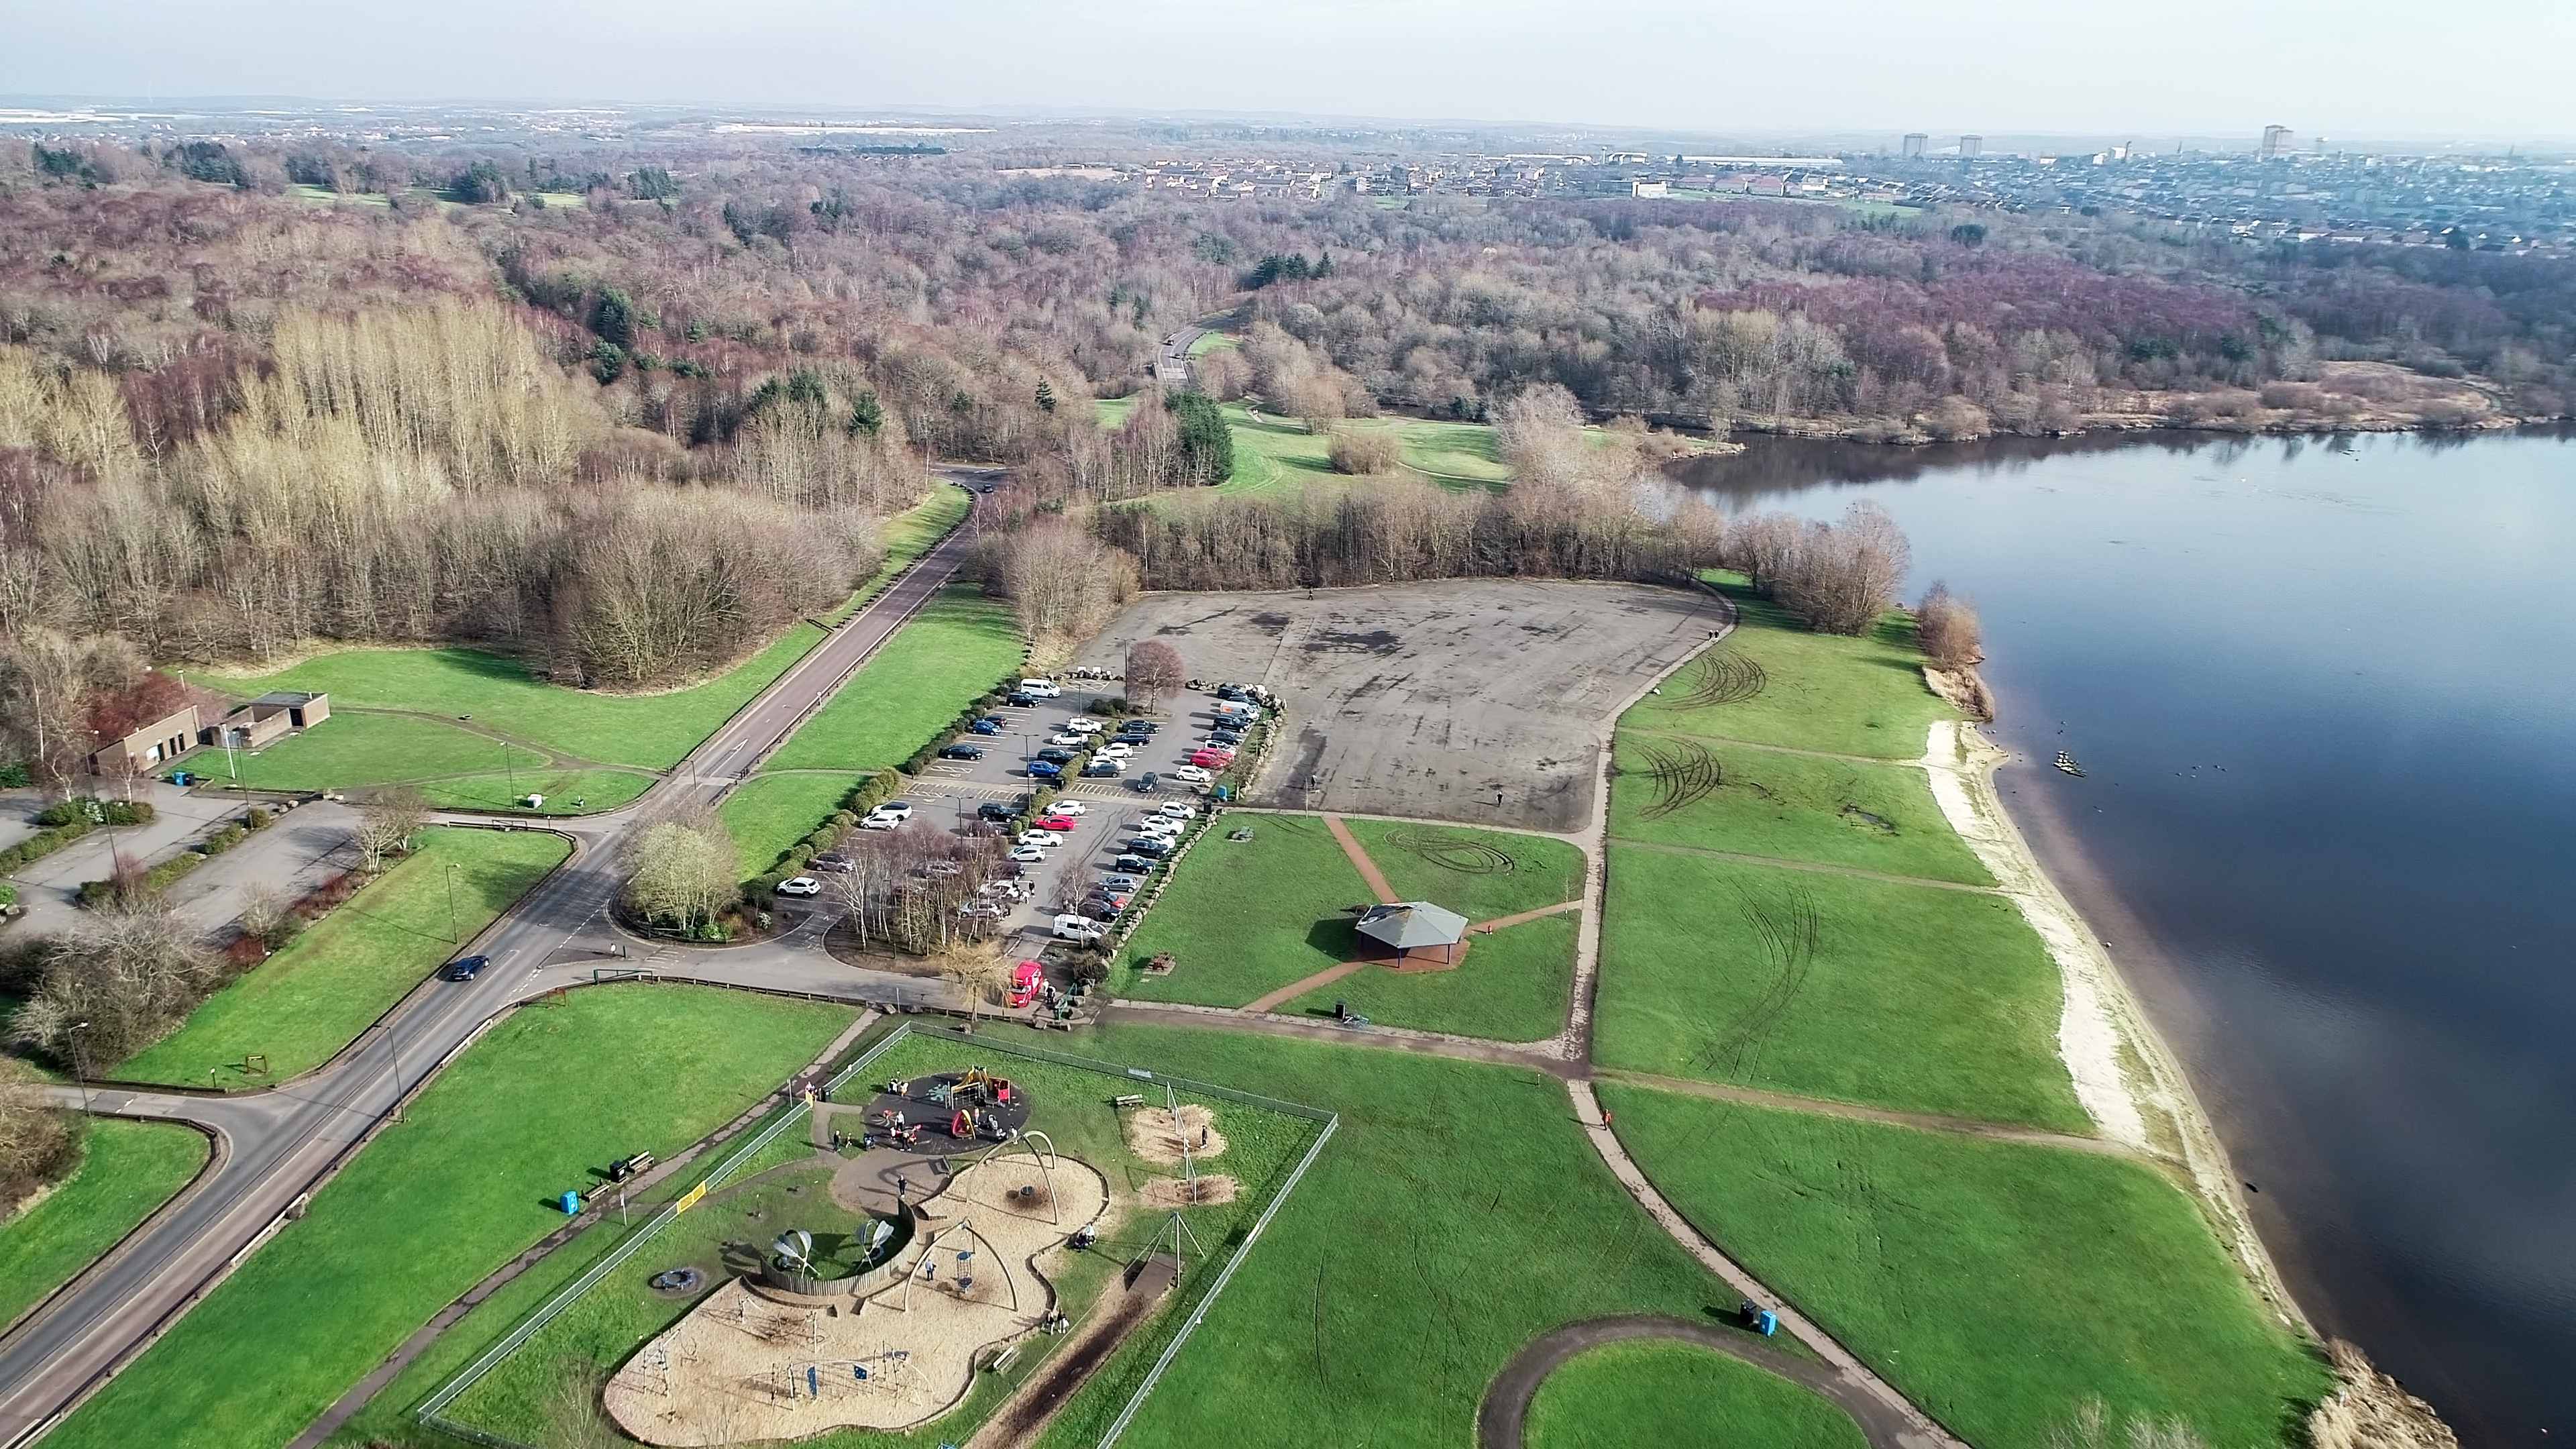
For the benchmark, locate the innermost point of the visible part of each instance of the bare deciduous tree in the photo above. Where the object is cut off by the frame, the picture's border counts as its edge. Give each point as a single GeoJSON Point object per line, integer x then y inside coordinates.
{"type": "Point", "coordinates": [1154, 672]}
{"type": "Point", "coordinates": [1945, 627]}
{"type": "Point", "coordinates": [117, 980]}
{"type": "Point", "coordinates": [1365, 450]}
{"type": "Point", "coordinates": [975, 968]}
{"type": "Point", "coordinates": [37, 1143]}
{"type": "Point", "coordinates": [683, 871]}
{"type": "Point", "coordinates": [387, 822]}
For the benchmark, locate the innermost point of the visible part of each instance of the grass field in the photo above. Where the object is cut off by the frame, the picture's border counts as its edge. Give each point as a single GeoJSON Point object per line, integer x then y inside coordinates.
{"type": "Point", "coordinates": [1841, 695]}
{"type": "Point", "coordinates": [1072, 1105]}
{"type": "Point", "coordinates": [650, 730]}
{"type": "Point", "coordinates": [1245, 918]}
{"type": "Point", "coordinates": [311, 999]}
{"type": "Point", "coordinates": [1998, 1285]}
{"type": "Point", "coordinates": [1273, 453]}
{"type": "Point", "coordinates": [768, 813]}
{"type": "Point", "coordinates": [567, 792]}
{"type": "Point", "coordinates": [349, 750]}
{"type": "Point", "coordinates": [907, 536]}
{"type": "Point", "coordinates": [547, 1098]}
{"type": "Point", "coordinates": [1792, 807]}
{"type": "Point", "coordinates": [1457, 1214]}
{"type": "Point", "coordinates": [1681, 1396]}
{"type": "Point", "coordinates": [957, 648]}
{"type": "Point", "coordinates": [1912, 997]}
{"type": "Point", "coordinates": [127, 1170]}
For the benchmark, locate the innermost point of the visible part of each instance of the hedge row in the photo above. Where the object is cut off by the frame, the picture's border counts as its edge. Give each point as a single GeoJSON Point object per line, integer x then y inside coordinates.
{"type": "Point", "coordinates": [865, 796]}
{"type": "Point", "coordinates": [98, 892]}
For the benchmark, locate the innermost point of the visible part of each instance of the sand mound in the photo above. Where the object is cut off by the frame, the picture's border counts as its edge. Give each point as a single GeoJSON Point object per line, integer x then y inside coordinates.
{"type": "Point", "coordinates": [1171, 1192]}
{"type": "Point", "coordinates": [1152, 1136]}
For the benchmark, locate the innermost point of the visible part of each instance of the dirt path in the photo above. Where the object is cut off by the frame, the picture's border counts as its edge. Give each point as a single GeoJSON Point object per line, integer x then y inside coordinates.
{"type": "Point", "coordinates": [1360, 861]}
{"type": "Point", "coordinates": [1542, 913]}
{"type": "Point", "coordinates": [1295, 989]}
{"type": "Point", "coordinates": [1507, 1399]}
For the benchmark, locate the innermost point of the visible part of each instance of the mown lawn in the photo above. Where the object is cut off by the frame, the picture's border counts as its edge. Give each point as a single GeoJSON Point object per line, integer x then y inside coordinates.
{"type": "Point", "coordinates": [1456, 1214]}
{"type": "Point", "coordinates": [1841, 695]}
{"type": "Point", "coordinates": [1513, 985]}
{"type": "Point", "coordinates": [1793, 807]}
{"type": "Point", "coordinates": [1998, 1285]}
{"type": "Point", "coordinates": [957, 648]}
{"type": "Point", "coordinates": [769, 813]}
{"type": "Point", "coordinates": [127, 1170]}
{"type": "Point", "coordinates": [1911, 997]}
{"type": "Point", "coordinates": [1273, 453]}
{"type": "Point", "coordinates": [567, 792]}
{"type": "Point", "coordinates": [313, 998]}
{"type": "Point", "coordinates": [350, 750]}
{"type": "Point", "coordinates": [1480, 874]}
{"type": "Point", "coordinates": [547, 1098]}
{"type": "Point", "coordinates": [1246, 917]}
{"type": "Point", "coordinates": [1679, 1395]}
{"type": "Point", "coordinates": [650, 730]}
{"type": "Point", "coordinates": [1072, 1106]}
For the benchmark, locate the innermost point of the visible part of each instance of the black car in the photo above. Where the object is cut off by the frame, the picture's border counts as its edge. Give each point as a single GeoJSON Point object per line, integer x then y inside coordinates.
{"type": "Point", "coordinates": [1138, 727]}
{"type": "Point", "coordinates": [464, 968]}
{"type": "Point", "coordinates": [1055, 756]}
{"type": "Point", "coordinates": [1224, 737]}
{"type": "Point", "coordinates": [1105, 770]}
{"type": "Point", "coordinates": [996, 810]}
{"type": "Point", "coordinates": [1146, 845]}
{"type": "Point", "coordinates": [961, 752]}
{"type": "Point", "coordinates": [984, 488]}
{"type": "Point", "coordinates": [1134, 740]}
{"type": "Point", "coordinates": [1134, 865]}
{"type": "Point", "coordinates": [1233, 693]}
{"type": "Point", "coordinates": [1097, 909]}
{"type": "Point", "coordinates": [1022, 698]}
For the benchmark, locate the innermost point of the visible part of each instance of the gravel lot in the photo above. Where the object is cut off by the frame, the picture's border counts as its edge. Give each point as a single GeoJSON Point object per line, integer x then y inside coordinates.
{"type": "Point", "coordinates": [1486, 701]}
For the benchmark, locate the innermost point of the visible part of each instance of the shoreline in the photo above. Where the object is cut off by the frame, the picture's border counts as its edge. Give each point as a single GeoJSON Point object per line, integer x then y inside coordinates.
{"type": "Point", "coordinates": [2124, 1074]}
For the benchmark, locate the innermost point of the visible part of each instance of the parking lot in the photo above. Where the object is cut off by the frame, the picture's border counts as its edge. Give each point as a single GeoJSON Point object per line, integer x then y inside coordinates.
{"type": "Point", "coordinates": [1479, 700]}
{"type": "Point", "coordinates": [949, 792]}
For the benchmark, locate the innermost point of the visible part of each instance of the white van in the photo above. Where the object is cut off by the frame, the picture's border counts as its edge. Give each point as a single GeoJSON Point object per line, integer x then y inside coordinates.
{"type": "Point", "coordinates": [1042, 688]}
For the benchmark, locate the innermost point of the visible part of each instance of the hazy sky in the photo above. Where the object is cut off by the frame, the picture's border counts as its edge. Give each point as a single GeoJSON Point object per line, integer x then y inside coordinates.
{"type": "Point", "coordinates": [2359, 68]}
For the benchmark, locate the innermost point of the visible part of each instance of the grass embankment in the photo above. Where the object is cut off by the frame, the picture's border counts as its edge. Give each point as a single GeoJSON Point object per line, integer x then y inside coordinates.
{"type": "Point", "coordinates": [1456, 1215]}
{"type": "Point", "coordinates": [768, 813]}
{"type": "Point", "coordinates": [1803, 981]}
{"type": "Point", "coordinates": [959, 646]}
{"type": "Point", "coordinates": [547, 1098]}
{"type": "Point", "coordinates": [1622, 1395]}
{"type": "Point", "coordinates": [566, 792]}
{"type": "Point", "coordinates": [303, 1004]}
{"type": "Point", "coordinates": [907, 536]}
{"type": "Point", "coordinates": [1998, 1285]}
{"type": "Point", "coordinates": [127, 1170]}
{"type": "Point", "coordinates": [1789, 807]}
{"type": "Point", "coordinates": [1073, 1106]}
{"type": "Point", "coordinates": [651, 731]}
{"type": "Point", "coordinates": [1273, 454]}
{"type": "Point", "coordinates": [1893, 995]}
{"type": "Point", "coordinates": [1244, 918]}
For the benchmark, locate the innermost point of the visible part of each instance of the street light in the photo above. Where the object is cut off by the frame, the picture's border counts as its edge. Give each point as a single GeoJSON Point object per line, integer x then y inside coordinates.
{"type": "Point", "coordinates": [79, 1067]}
{"type": "Point", "coordinates": [452, 938]}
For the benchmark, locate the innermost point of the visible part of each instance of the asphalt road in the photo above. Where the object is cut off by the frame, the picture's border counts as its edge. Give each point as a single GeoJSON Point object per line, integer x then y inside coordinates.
{"type": "Point", "coordinates": [274, 1147]}
{"type": "Point", "coordinates": [1172, 358]}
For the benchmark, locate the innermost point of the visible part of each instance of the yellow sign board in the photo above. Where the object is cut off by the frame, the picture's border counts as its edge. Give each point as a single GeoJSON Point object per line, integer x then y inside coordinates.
{"type": "Point", "coordinates": [690, 1199]}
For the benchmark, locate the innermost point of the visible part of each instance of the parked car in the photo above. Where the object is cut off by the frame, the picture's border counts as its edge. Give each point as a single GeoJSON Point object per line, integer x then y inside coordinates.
{"type": "Point", "coordinates": [898, 811]}
{"type": "Point", "coordinates": [1131, 739]}
{"type": "Point", "coordinates": [995, 810]}
{"type": "Point", "coordinates": [961, 752]}
{"type": "Point", "coordinates": [1056, 822]}
{"type": "Point", "coordinates": [1132, 864]}
{"type": "Point", "coordinates": [1028, 854]}
{"type": "Point", "coordinates": [1041, 688]}
{"type": "Point", "coordinates": [1021, 698]}
{"type": "Point", "coordinates": [1068, 738]}
{"type": "Point", "coordinates": [1076, 928]}
{"type": "Point", "coordinates": [1231, 692]}
{"type": "Point", "coordinates": [1039, 837]}
{"type": "Point", "coordinates": [464, 968]}
{"type": "Point", "coordinates": [1096, 909]}
{"type": "Point", "coordinates": [1211, 759]}
{"type": "Point", "coordinates": [1103, 770]}
{"type": "Point", "coordinates": [1083, 725]}
{"type": "Point", "coordinates": [1138, 727]}
{"type": "Point", "coordinates": [1151, 830]}
{"type": "Point", "coordinates": [990, 724]}
{"type": "Point", "coordinates": [1192, 773]}
{"type": "Point", "coordinates": [831, 862]}
{"type": "Point", "coordinates": [1056, 756]}
{"type": "Point", "coordinates": [1121, 882]}
{"type": "Point", "coordinates": [1045, 770]}
{"type": "Point", "coordinates": [1116, 750]}
{"type": "Point", "coordinates": [1112, 897]}
{"type": "Point", "coordinates": [1180, 810]}
{"type": "Point", "coordinates": [800, 885]}
{"type": "Point", "coordinates": [1073, 808]}
{"type": "Point", "coordinates": [1149, 846]}
{"type": "Point", "coordinates": [879, 822]}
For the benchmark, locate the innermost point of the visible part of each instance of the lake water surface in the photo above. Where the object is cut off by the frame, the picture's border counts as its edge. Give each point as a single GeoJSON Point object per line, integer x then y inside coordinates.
{"type": "Point", "coordinates": [2325, 694]}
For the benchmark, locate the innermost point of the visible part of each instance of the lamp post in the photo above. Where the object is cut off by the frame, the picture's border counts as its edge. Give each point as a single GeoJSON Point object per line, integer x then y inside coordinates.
{"type": "Point", "coordinates": [80, 1067]}
{"type": "Point", "coordinates": [453, 939]}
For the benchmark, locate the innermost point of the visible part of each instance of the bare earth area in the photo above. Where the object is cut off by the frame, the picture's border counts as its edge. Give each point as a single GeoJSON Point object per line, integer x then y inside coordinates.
{"type": "Point", "coordinates": [1485, 701]}
{"type": "Point", "coordinates": [742, 1366]}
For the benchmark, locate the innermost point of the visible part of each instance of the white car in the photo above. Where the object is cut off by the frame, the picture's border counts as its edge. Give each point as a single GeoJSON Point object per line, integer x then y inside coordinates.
{"type": "Point", "coordinates": [1177, 810]}
{"type": "Point", "coordinates": [1116, 751]}
{"type": "Point", "coordinates": [1068, 738]}
{"type": "Point", "coordinates": [800, 885]}
{"type": "Point", "coordinates": [1042, 688]}
{"type": "Point", "coordinates": [1029, 854]}
{"type": "Point", "coordinates": [1078, 928]}
{"type": "Point", "coordinates": [879, 822]}
{"type": "Point", "coordinates": [1040, 838]}
{"type": "Point", "coordinates": [1159, 828]}
{"type": "Point", "coordinates": [1083, 724]}
{"type": "Point", "coordinates": [1191, 773]}
{"type": "Point", "coordinates": [1070, 807]}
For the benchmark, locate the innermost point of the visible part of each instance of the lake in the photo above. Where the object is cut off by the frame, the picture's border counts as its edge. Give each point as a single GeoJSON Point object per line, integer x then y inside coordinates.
{"type": "Point", "coordinates": [2326, 706]}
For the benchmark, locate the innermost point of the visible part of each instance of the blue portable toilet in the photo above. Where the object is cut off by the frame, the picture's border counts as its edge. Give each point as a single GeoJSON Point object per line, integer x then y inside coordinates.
{"type": "Point", "coordinates": [1766, 1323]}
{"type": "Point", "coordinates": [570, 1202]}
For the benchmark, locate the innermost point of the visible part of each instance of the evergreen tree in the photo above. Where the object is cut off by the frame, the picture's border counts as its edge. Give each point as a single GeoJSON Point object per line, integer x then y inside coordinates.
{"type": "Point", "coordinates": [867, 415]}
{"type": "Point", "coordinates": [1046, 396]}
{"type": "Point", "coordinates": [1206, 442]}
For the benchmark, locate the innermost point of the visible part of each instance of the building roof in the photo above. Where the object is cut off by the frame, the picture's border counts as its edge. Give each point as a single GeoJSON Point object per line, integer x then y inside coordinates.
{"type": "Point", "coordinates": [289, 697]}
{"type": "Point", "coordinates": [1410, 924]}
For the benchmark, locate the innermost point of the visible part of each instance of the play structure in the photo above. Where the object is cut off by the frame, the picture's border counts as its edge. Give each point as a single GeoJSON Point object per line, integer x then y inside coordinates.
{"type": "Point", "coordinates": [877, 1319]}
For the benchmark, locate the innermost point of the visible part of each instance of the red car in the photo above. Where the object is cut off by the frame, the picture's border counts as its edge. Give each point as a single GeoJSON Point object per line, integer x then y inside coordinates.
{"type": "Point", "coordinates": [1211, 759]}
{"type": "Point", "coordinates": [1056, 822]}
